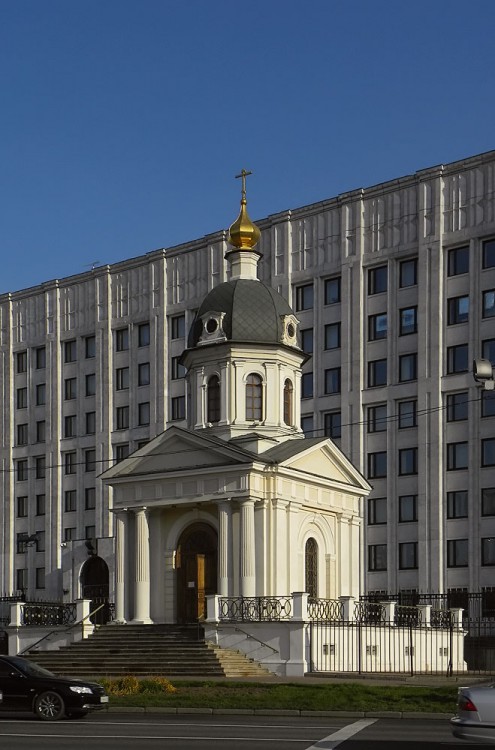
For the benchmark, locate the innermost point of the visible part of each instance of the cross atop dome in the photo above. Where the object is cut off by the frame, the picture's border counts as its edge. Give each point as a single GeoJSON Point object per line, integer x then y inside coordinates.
{"type": "Point", "coordinates": [243, 234]}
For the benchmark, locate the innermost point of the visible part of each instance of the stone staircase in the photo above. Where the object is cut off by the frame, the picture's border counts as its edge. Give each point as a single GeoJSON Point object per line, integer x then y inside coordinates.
{"type": "Point", "coordinates": [143, 650]}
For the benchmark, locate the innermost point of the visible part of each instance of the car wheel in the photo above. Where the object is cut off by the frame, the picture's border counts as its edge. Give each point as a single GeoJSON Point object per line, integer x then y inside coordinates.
{"type": "Point", "coordinates": [76, 714]}
{"type": "Point", "coordinates": [49, 706]}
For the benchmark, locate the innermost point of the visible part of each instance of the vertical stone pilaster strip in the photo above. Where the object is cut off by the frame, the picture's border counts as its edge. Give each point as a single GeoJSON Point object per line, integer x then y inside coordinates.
{"type": "Point", "coordinates": [142, 568]}
{"type": "Point", "coordinates": [120, 561]}
{"type": "Point", "coordinates": [248, 580]}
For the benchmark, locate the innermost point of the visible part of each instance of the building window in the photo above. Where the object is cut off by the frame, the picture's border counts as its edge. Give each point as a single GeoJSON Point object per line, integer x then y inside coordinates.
{"type": "Point", "coordinates": [21, 578]}
{"type": "Point", "coordinates": [89, 498]}
{"type": "Point", "coordinates": [40, 504]}
{"type": "Point", "coordinates": [377, 557]}
{"type": "Point", "coordinates": [457, 310]}
{"type": "Point", "coordinates": [70, 429]}
{"type": "Point", "coordinates": [332, 291]}
{"type": "Point", "coordinates": [178, 370]}
{"type": "Point", "coordinates": [311, 568]}
{"type": "Point", "coordinates": [122, 339]}
{"type": "Point", "coordinates": [457, 504]}
{"type": "Point", "coordinates": [144, 334]}
{"type": "Point", "coordinates": [408, 321]}
{"type": "Point", "coordinates": [408, 461]}
{"type": "Point", "coordinates": [213, 400]}
{"type": "Point", "coordinates": [458, 261]}
{"type": "Point", "coordinates": [457, 406]}
{"type": "Point", "coordinates": [488, 452]}
{"type": "Point", "coordinates": [40, 541]}
{"type": "Point", "coordinates": [144, 373]}
{"type": "Point", "coordinates": [457, 553]}
{"type": "Point", "coordinates": [22, 506]}
{"type": "Point", "coordinates": [377, 326]}
{"type": "Point", "coordinates": [22, 470]}
{"type": "Point", "coordinates": [408, 367]}
{"type": "Point", "coordinates": [90, 422]}
{"type": "Point", "coordinates": [90, 347]}
{"type": "Point", "coordinates": [21, 361]}
{"type": "Point", "coordinates": [121, 451]}
{"type": "Point", "coordinates": [41, 431]}
{"type": "Point", "coordinates": [307, 424]}
{"type": "Point", "coordinates": [377, 280]}
{"type": "Point", "coordinates": [40, 394]}
{"type": "Point", "coordinates": [408, 555]}
{"type": "Point", "coordinates": [70, 462]}
{"type": "Point", "coordinates": [70, 504]}
{"type": "Point", "coordinates": [91, 384]}
{"type": "Point", "coordinates": [457, 456]}
{"type": "Point", "coordinates": [70, 389]}
{"type": "Point", "coordinates": [178, 406]}
{"type": "Point", "coordinates": [488, 551]}
{"type": "Point", "coordinates": [488, 310]}
{"type": "Point", "coordinates": [332, 424]}
{"type": "Point", "coordinates": [408, 508]}
{"type": "Point", "coordinates": [332, 380]}
{"type": "Point", "coordinates": [90, 532]}
{"type": "Point", "coordinates": [332, 336]}
{"type": "Point", "coordinates": [254, 397]}
{"type": "Point", "coordinates": [488, 403]}
{"type": "Point", "coordinates": [21, 398]}
{"type": "Point", "coordinates": [457, 359]}
{"type": "Point", "coordinates": [40, 467]}
{"type": "Point", "coordinates": [122, 378]}
{"type": "Point", "coordinates": [307, 340]}
{"type": "Point", "coordinates": [489, 254]}
{"type": "Point", "coordinates": [408, 273]}
{"type": "Point", "coordinates": [20, 542]}
{"type": "Point", "coordinates": [178, 327]}
{"type": "Point", "coordinates": [304, 297]}
{"type": "Point", "coordinates": [40, 358]}
{"type": "Point", "coordinates": [122, 418]}
{"type": "Point", "coordinates": [488, 501]}
{"type": "Point", "coordinates": [70, 351]}
{"type": "Point", "coordinates": [407, 414]}
{"type": "Point", "coordinates": [40, 578]}
{"type": "Point", "coordinates": [377, 373]}
{"type": "Point", "coordinates": [377, 418]}
{"type": "Point", "coordinates": [377, 465]}
{"type": "Point", "coordinates": [69, 534]}
{"type": "Point", "coordinates": [22, 434]}
{"type": "Point", "coordinates": [377, 511]}
{"type": "Point", "coordinates": [307, 385]}
{"type": "Point", "coordinates": [90, 459]}
{"type": "Point", "coordinates": [143, 413]}
{"type": "Point", "coordinates": [288, 402]}
{"type": "Point", "coordinates": [488, 350]}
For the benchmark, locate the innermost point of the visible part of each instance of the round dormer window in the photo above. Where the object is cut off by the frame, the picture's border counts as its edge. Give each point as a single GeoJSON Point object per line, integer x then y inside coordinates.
{"type": "Point", "coordinates": [291, 330]}
{"type": "Point", "coordinates": [211, 325]}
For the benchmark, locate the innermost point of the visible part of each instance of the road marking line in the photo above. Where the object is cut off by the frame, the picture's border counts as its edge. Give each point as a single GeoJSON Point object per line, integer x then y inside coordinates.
{"type": "Point", "coordinates": [157, 737]}
{"type": "Point", "coordinates": [330, 742]}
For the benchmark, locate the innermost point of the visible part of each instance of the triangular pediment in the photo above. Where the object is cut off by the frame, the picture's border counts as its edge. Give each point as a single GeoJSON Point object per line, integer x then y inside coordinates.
{"type": "Point", "coordinates": [177, 450]}
{"type": "Point", "coordinates": [320, 459]}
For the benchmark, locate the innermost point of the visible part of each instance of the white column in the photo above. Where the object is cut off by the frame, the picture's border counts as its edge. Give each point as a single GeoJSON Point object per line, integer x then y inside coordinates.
{"type": "Point", "coordinates": [248, 582]}
{"type": "Point", "coordinates": [120, 560]}
{"type": "Point", "coordinates": [142, 569]}
{"type": "Point", "coordinates": [224, 547]}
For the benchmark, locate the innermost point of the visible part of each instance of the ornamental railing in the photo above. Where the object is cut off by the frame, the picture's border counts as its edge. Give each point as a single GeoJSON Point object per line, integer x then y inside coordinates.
{"type": "Point", "coordinates": [407, 616]}
{"type": "Point", "coordinates": [440, 618]}
{"type": "Point", "coordinates": [330, 610]}
{"type": "Point", "coordinates": [255, 608]}
{"type": "Point", "coordinates": [45, 614]}
{"type": "Point", "coordinates": [369, 612]}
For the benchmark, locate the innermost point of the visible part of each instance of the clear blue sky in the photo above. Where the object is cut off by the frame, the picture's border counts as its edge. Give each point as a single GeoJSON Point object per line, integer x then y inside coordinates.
{"type": "Point", "coordinates": [123, 122]}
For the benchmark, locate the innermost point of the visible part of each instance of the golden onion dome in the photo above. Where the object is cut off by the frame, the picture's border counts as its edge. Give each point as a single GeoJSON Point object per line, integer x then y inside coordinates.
{"type": "Point", "coordinates": [244, 234]}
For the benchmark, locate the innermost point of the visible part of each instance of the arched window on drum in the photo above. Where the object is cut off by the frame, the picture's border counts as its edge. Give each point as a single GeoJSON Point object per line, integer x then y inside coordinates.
{"type": "Point", "coordinates": [254, 398]}
{"type": "Point", "coordinates": [288, 402]}
{"type": "Point", "coordinates": [311, 568]}
{"type": "Point", "coordinates": [213, 399]}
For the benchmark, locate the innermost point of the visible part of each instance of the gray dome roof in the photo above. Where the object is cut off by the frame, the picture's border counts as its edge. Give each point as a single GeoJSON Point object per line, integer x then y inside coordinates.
{"type": "Point", "coordinates": [253, 312]}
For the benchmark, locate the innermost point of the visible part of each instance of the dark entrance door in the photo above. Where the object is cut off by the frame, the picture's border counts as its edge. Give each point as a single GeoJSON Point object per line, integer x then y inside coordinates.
{"type": "Point", "coordinates": [196, 563]}
{"type": "Point", "coordinates": [95, 586]}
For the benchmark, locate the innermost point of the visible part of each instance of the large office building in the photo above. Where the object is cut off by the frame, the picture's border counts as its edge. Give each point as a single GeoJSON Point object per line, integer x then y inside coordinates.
{"type": "Point", "coordinates": [394, 288]}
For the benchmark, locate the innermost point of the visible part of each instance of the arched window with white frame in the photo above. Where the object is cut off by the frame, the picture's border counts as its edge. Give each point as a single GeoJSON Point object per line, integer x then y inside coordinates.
{"type": "Point", "coordinates": [213, 399]}
{"type": "Point", "coordinates": [288, 402]}
{"type": "Point", "coordinates": [311, 568]}
{"type": "Point", "coordinates": [254, 397]}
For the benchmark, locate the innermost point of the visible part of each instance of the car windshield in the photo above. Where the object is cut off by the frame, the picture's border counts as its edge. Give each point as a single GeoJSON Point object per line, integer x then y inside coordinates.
{"type": "Point", "coordinates": [29, 668]}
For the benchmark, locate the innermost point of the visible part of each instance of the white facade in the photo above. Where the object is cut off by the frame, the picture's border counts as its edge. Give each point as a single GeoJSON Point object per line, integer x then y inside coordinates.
{"type": "Point", "coordinates": [343, 264]}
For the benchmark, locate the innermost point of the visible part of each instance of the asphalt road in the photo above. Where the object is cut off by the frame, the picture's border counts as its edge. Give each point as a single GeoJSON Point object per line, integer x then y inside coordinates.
{"type": "Point", "coordinates": [153, 731]}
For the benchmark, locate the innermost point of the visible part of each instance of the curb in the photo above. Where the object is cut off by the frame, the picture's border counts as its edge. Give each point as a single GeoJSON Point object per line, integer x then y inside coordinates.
{"type": "Point", "coordinates": [281, 712]}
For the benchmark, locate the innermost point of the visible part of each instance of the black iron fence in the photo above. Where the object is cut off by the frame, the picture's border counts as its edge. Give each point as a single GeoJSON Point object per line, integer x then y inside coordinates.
{"type": "Point", "coordinates": [48, 614]}
{"type": "Point", "coordinates": [255, 608]}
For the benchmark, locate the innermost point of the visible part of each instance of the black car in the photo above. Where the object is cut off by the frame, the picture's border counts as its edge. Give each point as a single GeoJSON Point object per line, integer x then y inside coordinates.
{"type": "Point", "coordinates": [28, 687]}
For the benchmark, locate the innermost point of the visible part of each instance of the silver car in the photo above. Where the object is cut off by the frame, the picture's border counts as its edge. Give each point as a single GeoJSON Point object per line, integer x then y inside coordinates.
{"type": "Point", "coordinates": [475, 717]}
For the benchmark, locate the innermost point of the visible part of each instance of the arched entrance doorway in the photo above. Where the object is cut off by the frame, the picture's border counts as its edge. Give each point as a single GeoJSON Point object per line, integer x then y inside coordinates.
{"type": "Point", "coordinates": [95, 586]}
{"type": "Point", "coordinates": [196, 564]}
